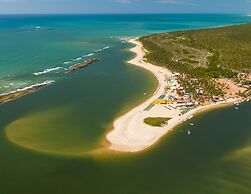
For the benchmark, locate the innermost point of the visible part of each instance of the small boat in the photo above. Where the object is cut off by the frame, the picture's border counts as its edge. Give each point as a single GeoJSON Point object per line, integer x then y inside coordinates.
{"type": "Point", "coordinates": [191, 124]}
{"type": "Point", "coordinates": [189, 132]}
{"type": "Point", "coordinates": [237, 103]}
{"type": "Point", "coordinates": [236, 108]}
{"type": "Point", "coordinates": [190, 117]}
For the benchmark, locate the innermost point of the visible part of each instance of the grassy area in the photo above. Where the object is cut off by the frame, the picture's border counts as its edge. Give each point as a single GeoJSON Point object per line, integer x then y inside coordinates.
{"type": "Point", "coordinates": [156, 121]}
{"type": "Point", "coordinates": [203, 55]}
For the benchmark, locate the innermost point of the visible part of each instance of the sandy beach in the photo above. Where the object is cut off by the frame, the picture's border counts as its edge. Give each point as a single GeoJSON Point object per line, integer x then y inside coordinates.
{"type": "Point", "coordinates": [130, 133]}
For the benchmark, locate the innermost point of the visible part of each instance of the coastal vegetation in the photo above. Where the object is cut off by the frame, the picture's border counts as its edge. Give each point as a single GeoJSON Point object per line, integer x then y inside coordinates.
{"type": "Point", "coordinates": [156, 121]}
{"type": "Point", "coordinates": [202, 57]}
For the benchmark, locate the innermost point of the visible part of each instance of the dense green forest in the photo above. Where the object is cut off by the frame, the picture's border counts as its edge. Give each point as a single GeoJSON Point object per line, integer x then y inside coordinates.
{"type": "Point", "coordinates": [223, 52]}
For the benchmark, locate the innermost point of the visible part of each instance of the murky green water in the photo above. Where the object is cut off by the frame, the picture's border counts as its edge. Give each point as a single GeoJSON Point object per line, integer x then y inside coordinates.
{"type": "Point", "coordinates": [53, 141]}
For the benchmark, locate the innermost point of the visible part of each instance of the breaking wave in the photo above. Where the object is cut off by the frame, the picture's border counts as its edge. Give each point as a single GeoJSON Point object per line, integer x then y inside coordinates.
{"type": "Point", "coordinates": [45, 83]}
{"type": "Point", "coordinates": [88, 55]}
{"type": "Point", "coordinates": [102, 49]}
{"type": "Point", "coordinates": [47, 71]}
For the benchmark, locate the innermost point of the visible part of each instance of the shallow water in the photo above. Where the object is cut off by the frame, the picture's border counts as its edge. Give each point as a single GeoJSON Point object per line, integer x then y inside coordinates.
{"type": "Point", "coordinates": [53, 140]}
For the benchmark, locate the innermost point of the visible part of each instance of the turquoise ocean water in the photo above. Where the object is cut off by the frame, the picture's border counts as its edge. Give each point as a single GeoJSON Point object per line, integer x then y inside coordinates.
{"type": "Point", "coordinates": [53, 141]}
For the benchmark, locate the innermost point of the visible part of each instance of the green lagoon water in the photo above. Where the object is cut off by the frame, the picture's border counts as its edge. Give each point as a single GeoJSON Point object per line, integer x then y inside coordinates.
{"type": "Point", "coordinates": [53, 141]}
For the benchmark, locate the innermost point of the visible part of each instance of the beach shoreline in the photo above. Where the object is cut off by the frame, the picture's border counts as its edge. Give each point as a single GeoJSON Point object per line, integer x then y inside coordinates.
{"type": "Point", "coordinates": [130, 133]}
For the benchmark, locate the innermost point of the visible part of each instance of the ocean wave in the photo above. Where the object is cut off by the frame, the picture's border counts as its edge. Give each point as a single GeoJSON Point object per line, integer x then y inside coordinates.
{"type": "Point", "coordinates": [67, 62]}
{"type": "Point", "coordinates": [35, 28]}
{"type": "Point", "coordinates": [102, 49]}
{"type": "Point", "coordinates": [125, 39]}
{"type": "Point", "coordinates": [77, 59]}
{"type": "Point", "coordinates": [122, 39]}
{"type": "Point", "coordinates": [7, 86]}
{"type": "Point", "coordinates": [71, 61]}
{"type": "Point", "coordinates": [88, 55]}
{"type": "Point", "coordinates": [47, 71]}
{"type": "Point", "coordinates": [47, 82]}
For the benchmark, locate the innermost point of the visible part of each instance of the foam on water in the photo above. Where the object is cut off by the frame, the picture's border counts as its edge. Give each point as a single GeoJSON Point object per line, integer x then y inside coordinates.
{"type": "Point", "coordinates": [7, 86]}
{"type": "Point", "coordinates": [35, 29]}
{"type": "Point", "coordinates": [70, 62]}
{"type": "Point", "coordinates": [67, 62]}
{"type": "Point", "coordinates": [88, 55]}
{"type": "Point", "coordinates": [47, 71]}
{"type": "Point", "coordinates": [77, 59]}
{"type": "Point", "coordinates": [83, 56]}
{"type": "Point", "coordinates": [47, 82]}
{"type": "Point", "coordinates": [102, 49]}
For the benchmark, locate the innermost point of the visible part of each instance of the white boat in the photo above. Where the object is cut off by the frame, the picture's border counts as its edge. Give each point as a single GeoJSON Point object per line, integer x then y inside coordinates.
{"type": "Point", "coordinates": [191, 124]}
{"type": "Point", "coordinates": [189, 132]}
{"type": "Point", "coordinates": [189, 117]}
{"type": "Point", "coordinates": [237, 103]}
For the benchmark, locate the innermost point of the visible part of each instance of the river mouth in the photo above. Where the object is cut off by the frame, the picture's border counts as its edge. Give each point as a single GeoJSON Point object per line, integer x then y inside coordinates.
{"type": "Point", "coordinates": [70, 117]}
{"type": "Point", "coordinates": [51, 141]}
